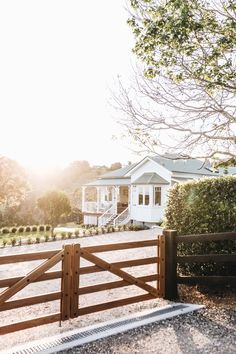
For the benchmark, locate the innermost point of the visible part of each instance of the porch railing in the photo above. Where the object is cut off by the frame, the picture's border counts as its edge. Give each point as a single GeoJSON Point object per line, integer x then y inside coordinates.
{"type": "Point", "coordinates": [106, 217]}
{"type": "Point", "coordinates": [94, 207]}
{"type": "Point", "coordinates": [123, 218]}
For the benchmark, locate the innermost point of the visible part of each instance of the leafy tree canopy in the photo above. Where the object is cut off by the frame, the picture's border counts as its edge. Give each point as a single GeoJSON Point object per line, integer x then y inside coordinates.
{"type": "Point", "coordinates": [13, 182]}
{"type": "Point", "coordinates": [183, 100]}
{"type": "Point", "coordinates": [187, 39]}
{"type": "Point", "coordinates": [54, 204]}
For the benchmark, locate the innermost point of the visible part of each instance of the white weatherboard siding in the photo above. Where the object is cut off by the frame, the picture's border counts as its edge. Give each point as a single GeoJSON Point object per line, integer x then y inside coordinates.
{"type": "Point", "coordinates": [149, 213]}
{"type": "Point", "coordinates": [90, 220]}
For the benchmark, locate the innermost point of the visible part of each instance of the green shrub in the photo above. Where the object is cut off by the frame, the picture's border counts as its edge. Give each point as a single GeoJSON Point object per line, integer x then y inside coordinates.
{"type": "Point", "coordinates": [13, 230]}
{"type": "Point", "coordinates": [54, 236]}
{"type": "Point", "coordinates": [5, 230]}
{"type": "Point", "coordinates": [4, 242]}
{"type": "Point", "coordinates": [21, 229]}
{"type": "Point", "coordinates": [27, 229]}
{"type": "Point", "coordinates": [69, 234]}
{"type": "Point", "coordinates": [37, 239]}
{"type": "Point", "coordinates": [46, 238]}
{"type": "Point", "coordinates": [41, 228]}
{"type": "Point", "coordinates": [138, 227]}
{"type": "Point", "coordinates": [76, 233]}
{"type": "Point", "coordinates": [63, 235]}
{"type": "Point", "coordinates": [204, 206]}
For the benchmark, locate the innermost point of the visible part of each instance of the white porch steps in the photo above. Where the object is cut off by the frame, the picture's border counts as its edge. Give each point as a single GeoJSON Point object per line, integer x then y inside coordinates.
{"type": "Point", "coordinates": [113, 219]}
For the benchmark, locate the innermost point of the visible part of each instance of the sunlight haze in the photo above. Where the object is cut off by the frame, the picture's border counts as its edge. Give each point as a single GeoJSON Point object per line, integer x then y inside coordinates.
{"type": "Point", "coordinates": [59, 60]}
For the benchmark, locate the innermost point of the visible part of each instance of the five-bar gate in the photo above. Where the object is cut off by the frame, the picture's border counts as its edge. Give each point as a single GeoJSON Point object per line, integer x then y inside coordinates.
{"type": "Point", "coordinates": [70, 274]}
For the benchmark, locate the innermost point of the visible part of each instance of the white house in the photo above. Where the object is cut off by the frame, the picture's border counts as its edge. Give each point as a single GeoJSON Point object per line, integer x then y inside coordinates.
{"type": "Point", "coordinates": [138, 192]}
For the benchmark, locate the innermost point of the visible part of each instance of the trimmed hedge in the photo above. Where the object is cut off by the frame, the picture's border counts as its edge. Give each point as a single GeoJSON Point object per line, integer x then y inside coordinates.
{"type": "Point", "coordinates": [204, 206]}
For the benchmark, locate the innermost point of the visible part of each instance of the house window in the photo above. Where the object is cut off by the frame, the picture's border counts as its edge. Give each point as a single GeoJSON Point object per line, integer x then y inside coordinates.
{"type": "Point", "coordinates": [140, 196]}
{"type": "Point", "coordinates": [146, 196]}
{"type": "Point", "coordinates": [157, 195]}
{"type": "Point", "coordinates": [143, 196]}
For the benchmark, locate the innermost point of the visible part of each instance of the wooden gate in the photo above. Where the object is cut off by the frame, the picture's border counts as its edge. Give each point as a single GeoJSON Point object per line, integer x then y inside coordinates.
{"type": "Point", "coordinates": [70, 273]}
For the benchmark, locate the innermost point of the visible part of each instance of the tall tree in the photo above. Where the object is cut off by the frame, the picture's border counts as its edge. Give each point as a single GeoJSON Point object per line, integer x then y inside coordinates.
{"type": "Point", "coordinates": [54, 204]}
{"type": "Point", "coordinates": [13, 182]}
{"type": "Point", "coordinates": [183, 99]}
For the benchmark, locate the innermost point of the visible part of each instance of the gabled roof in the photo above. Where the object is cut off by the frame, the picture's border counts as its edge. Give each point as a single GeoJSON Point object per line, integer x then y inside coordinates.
{"type": "Point", "coordinates": [192, 166]}
{"type": "Point", "coordinates": [150, 178]}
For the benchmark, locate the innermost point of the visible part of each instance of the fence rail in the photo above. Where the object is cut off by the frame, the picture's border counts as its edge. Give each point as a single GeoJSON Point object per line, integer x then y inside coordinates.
{"type": "Point", "coordinates": [172, 259]}
{"type": "Point", "coordinates": [70, 273]}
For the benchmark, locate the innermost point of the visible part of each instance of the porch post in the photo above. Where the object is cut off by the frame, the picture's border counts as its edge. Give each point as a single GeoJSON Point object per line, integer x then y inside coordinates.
{"type": "Point", "coordinates": [115, 198]}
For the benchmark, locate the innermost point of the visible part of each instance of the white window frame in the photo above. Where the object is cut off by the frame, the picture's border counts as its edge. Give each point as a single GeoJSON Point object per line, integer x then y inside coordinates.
{"type": "Point", "coordinates": [142, 190]}
{"type": "Point", "coordinates": [154, 196]}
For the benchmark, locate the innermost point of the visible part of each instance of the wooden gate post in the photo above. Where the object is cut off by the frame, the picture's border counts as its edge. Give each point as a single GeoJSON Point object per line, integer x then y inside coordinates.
{"type": "Point", "coordinates": [171, 292]}
{"type": "Point", "coordinates": [66, 283]}
{"type": "Point", "coordinates": [75, 270]}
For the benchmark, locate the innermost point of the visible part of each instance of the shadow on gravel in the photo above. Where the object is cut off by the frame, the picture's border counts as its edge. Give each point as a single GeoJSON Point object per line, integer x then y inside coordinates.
{"type": "Point", "coordinates": [191, 333]}
{"type": "Point", "coordinates": [200, 334]}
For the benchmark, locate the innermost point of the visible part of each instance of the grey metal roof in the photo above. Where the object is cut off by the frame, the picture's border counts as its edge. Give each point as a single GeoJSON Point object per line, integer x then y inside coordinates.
{"type": "Point", "coordinates": [184, 165]}
{"type": "Point", "coordinates": [150, 178]}
{"type": "Point", "coordinates": [110, 182]}
{"type": "Point", "coordinates": [230, 170]}
{"type": "Point", "coordinates": [121, 172]}
{"type": "Point", "coordinates": [182, 179]}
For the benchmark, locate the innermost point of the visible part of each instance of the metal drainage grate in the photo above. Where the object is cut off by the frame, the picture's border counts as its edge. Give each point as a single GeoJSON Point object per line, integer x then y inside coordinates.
{"type": "Point", "coordinates": [92, 333]}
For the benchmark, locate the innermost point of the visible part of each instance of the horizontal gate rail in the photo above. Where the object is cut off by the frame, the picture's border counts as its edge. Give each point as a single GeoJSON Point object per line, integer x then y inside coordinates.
{"type": "Point", "coordinates": [115, 284]}
{"type": "Point", "coordinates": [120, 246]}
{"type": "Point", "coordinates": [30, 323]}
{"type": "Point", "coordinates": [46, 276]}
{"type": "Point", "coordinates": [112, 304]}
{"type": "Point", "coordinates": [123, 264]}
{"type": "Point", "coordinates": [26, 257]}
{"type": "Point", "coordinates": [31, 300]}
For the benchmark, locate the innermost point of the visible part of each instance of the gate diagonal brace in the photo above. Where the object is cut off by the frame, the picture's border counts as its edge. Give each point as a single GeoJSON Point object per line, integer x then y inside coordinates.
{"type": "Point", "coordinates": [30, 277]}
{"type": "Point", "coordinates": [120, 273]}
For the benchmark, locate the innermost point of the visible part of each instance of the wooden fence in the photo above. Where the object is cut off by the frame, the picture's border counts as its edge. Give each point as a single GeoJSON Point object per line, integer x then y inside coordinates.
{"type": "Point", "coordinates": [70, 274]}
{"type": "Point", "coordinates": [172, 259]}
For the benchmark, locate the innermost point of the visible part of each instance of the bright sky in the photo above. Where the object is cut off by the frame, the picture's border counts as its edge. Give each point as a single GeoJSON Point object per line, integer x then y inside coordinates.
{"type": "Point", "coordinates": [58, 61]}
